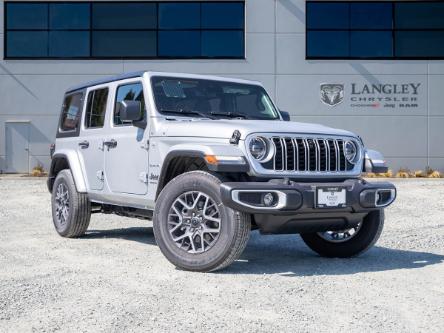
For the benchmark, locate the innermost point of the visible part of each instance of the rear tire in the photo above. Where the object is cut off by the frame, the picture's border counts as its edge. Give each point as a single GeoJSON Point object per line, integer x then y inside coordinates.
{"type": "Point", "coordinates": [366, 236]}
{"type": "Point", "coordinates": [71, 210]}
{"type": "Point", "coordinates": [187, 210]}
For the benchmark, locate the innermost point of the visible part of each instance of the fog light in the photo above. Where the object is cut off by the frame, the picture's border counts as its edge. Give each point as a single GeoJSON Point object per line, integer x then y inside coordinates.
{"type": "Point", "coordinates": [268, 199]}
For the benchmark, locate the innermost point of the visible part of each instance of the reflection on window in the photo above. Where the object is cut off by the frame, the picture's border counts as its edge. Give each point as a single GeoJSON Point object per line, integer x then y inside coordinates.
{"type": "Point", "coordinates": [328, 44]}
{"type": "Point", "coordinates": [222, 43]}
{"type": "Point", "coordinates": [96, 108]}
{"type": "Point", "coordinates": [128, 92]}
{"type": "Point", "coordinates": [418, 15]}
{"type": "Point", "coordinates": [71, 112]}
{"type": "Point", "coordinates": [27, 16]}
{"type": "Point", "coordinates": [371, 44]}
{"type": "Point", "coordinates": [371, 16]}
{"type": "Point", "coordinates": [179, 15]}
{"type": "Point", "coordinates": [375, 30]}
{"type": "Point", "coordinates": [128, 16]}
{"type": "Point", "coordinates": [124, 29]}
{"type": "Point", "coordinates": [420, 44]}
{"type": "Point", "coordinates": [179, 43]}
{"type": "Point", "coordinates": [213, 98]}
{"type": "Point", "coordinates": [123, 44]}
{"type": "Point", "coordinates": [68, 16]}
{"type": "Point", "coordinates": [327, 15]}
{"type": "Point", "coordinates": [68, 44]}
{"type": "Point", "coordinates": [222, 15]}
{"type": "Point", "coordinates": [27, 44]}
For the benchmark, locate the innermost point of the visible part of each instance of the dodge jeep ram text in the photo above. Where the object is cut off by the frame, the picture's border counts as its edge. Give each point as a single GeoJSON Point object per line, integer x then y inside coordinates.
{"type": "Point", "coordinates": [208, 159]}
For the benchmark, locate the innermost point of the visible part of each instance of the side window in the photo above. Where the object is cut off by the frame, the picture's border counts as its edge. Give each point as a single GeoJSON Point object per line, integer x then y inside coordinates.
{"type": "Point", "coordinates": [96, 108]}
{"type": "Point", "coordinates": [128, 92]}
{"type": "Point", "coordinates": [71, 112]}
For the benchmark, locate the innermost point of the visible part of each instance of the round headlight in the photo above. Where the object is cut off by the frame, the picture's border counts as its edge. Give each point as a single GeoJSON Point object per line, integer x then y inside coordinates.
{"type": "Point", "coordinates": [351, 151]}
{"type": "Point", "coordinates": [258, 148]}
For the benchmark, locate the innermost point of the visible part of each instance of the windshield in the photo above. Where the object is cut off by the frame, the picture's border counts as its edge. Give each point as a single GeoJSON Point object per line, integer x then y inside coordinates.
{"type": "Point", "coordinates": [215, 99]}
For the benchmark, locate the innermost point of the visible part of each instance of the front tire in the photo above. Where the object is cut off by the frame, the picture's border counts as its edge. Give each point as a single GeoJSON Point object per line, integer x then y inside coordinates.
{"type": "Point", "coordinates": [192, 227]}
{"type": "Point", "coordinates": [347, 243]}
{"type": "Point", "coordinates": [71, 210]}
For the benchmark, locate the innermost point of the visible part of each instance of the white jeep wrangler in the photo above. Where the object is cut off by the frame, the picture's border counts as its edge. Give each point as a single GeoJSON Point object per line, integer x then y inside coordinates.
{"type": "Point", "coordinates": [209, 159]}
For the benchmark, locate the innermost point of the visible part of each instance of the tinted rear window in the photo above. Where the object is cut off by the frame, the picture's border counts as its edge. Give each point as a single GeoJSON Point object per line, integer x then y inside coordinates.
{"type": "Point", "coordinates": [71, 112]}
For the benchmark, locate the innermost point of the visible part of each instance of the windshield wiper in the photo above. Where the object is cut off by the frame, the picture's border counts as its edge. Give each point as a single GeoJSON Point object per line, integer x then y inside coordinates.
{"type": "Point", "coordinates": [181, 111]}
{"type": "Point", "coordinates": [229, 114]}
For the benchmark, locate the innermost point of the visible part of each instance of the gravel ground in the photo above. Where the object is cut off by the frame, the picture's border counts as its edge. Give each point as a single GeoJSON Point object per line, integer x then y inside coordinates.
{"type": "Point", "coordinates": [115, 278]}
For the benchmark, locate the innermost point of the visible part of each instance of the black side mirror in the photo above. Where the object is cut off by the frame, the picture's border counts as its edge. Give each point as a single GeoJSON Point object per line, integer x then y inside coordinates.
{"type": "Point", "coordinates": [132, 111]}
{"type": "Point", "coordinates": [285, 115]}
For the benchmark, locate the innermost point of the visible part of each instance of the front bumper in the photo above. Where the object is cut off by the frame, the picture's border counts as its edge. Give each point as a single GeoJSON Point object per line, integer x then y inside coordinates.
{"type": "Point", "coordinates": [295, 209]}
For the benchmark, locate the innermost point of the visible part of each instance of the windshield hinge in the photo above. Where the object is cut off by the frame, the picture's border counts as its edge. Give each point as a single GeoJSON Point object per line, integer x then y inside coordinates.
{"type": "Point", "coordinates": [235, 137]}
{"type": "Point", "coordinates": [143, 177]}
{"type": "Point", "coordinates": [100, 175]}
{"type": "Point", "coordinates": [146, 145]}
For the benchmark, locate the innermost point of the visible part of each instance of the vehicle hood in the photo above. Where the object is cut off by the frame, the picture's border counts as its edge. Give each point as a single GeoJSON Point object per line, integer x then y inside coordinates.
{"type": "Point", "coordinates": [224, 128]}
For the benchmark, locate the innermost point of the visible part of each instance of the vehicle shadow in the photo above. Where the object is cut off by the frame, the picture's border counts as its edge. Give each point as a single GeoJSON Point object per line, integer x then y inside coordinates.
{"type": "Point", "coordinates": [287, 255]}
{"type": "Point", "coordinates": [143, 235]}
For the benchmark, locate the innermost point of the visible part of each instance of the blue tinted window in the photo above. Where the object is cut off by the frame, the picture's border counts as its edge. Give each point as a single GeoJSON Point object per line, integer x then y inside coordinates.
{"type": "Point", "coordinates": [371, 44]}
{"type": "Point", "coordinates": [417, 15]}
{"type": "Point", "coordinates": [222, 43]}
{"type": "Point", "coordinates": [124, 16]}
{"type": "Point", "coordinates": [124, 43]}
{"type": "Point", "coordinates": [324, 15]}
{"type": "Point", "coordinates": [109, 29]}
{"type": "Point", "coordinates": [222, 15]}
{"type": "Point", "coordinates": [69, 16]}
{"type": "Point", "coordinates": [69, 43]}
{"type": "Point", "coordinates": [373, 29]}
{"type": "Point", "coordinates": [179, 15]}
{"type": "Point", "coordinates": [27, 16]}
{"type": "Point", "coordinates": [328, 43]}
{"type": "Point", "coordinates": [371, 15]}
{"type": "Point", "coordinates": [179, 43]}
{"type": "Point", "coordinates": [419, 44]}
{"type": "Point", "coordinates": [27, 44]}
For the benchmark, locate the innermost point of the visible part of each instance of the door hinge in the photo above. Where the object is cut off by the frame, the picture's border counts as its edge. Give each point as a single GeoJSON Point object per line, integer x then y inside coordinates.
{"type": "Point", "coordinates": [143, 177]}
{"type": "Point", "coordinates": [146, 145]}
{"type": "Point", "coordinates": [100, 175]}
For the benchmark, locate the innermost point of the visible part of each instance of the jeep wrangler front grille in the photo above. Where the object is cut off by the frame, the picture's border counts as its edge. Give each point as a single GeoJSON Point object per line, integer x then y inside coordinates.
{"type": "Point", "coordinates": [294, 154]}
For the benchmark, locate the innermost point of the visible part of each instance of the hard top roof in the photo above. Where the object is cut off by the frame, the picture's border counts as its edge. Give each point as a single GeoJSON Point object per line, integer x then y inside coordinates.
{"type": "Point", "coordinates": [141, 73]}
{"type": "Point", "coordinates": [106, 80]}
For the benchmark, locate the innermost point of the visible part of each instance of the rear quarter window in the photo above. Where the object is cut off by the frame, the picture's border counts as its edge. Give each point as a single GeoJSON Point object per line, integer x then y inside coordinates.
{"type": "Point", "coordinates": [71, 112]}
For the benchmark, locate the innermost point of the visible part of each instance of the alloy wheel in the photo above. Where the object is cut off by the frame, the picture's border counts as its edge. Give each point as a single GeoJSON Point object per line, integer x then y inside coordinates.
{"type": "Point", "coordinates": [194, 222]}
{"type": "Point", "coordinates": [62, 204]}
{"type": "Point", "coordinates": [340, 236]}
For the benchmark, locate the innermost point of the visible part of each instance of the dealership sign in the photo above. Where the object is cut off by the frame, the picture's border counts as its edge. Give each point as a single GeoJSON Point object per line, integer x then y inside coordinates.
{"type": "Point", "coordinates": [332, 94]}
{"type": "Point", "coordinates": [364, 95]}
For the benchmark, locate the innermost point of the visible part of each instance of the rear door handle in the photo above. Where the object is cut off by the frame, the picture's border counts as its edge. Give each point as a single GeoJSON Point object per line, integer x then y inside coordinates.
{"type": "Point", "coordinates": [84, 144]}
{"type": "Point", "coordinates": [111, 143]}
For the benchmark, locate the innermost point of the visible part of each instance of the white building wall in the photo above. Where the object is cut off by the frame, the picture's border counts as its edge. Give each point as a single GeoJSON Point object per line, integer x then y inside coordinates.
{"type": "Point", "coordinates": [275, 50]}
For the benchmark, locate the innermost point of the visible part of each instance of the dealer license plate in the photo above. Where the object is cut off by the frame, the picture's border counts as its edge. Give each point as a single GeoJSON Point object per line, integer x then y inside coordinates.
{"type": "Point", "coordinates": [328, 197]}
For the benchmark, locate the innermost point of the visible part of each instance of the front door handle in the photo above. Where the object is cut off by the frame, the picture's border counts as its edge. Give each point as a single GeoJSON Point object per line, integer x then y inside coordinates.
{"type": "Point", "coordinates": [111, 143]}
{"type": "Point", "coordinates": [84, 144]}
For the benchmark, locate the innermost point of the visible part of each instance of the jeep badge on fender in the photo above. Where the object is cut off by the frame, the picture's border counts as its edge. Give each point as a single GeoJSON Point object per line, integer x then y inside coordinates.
{"type": "Point", "coordinates": [222, 160]}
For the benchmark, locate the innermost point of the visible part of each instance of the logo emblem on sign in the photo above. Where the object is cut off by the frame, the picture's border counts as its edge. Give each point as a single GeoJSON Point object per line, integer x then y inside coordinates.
{"type": "Point", "coordinates": [332, 94]}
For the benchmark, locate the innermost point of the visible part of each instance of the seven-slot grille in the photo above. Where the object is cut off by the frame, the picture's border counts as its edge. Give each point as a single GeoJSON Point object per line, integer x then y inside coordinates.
{"type": "Point", "coordinates": [308, 155]}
